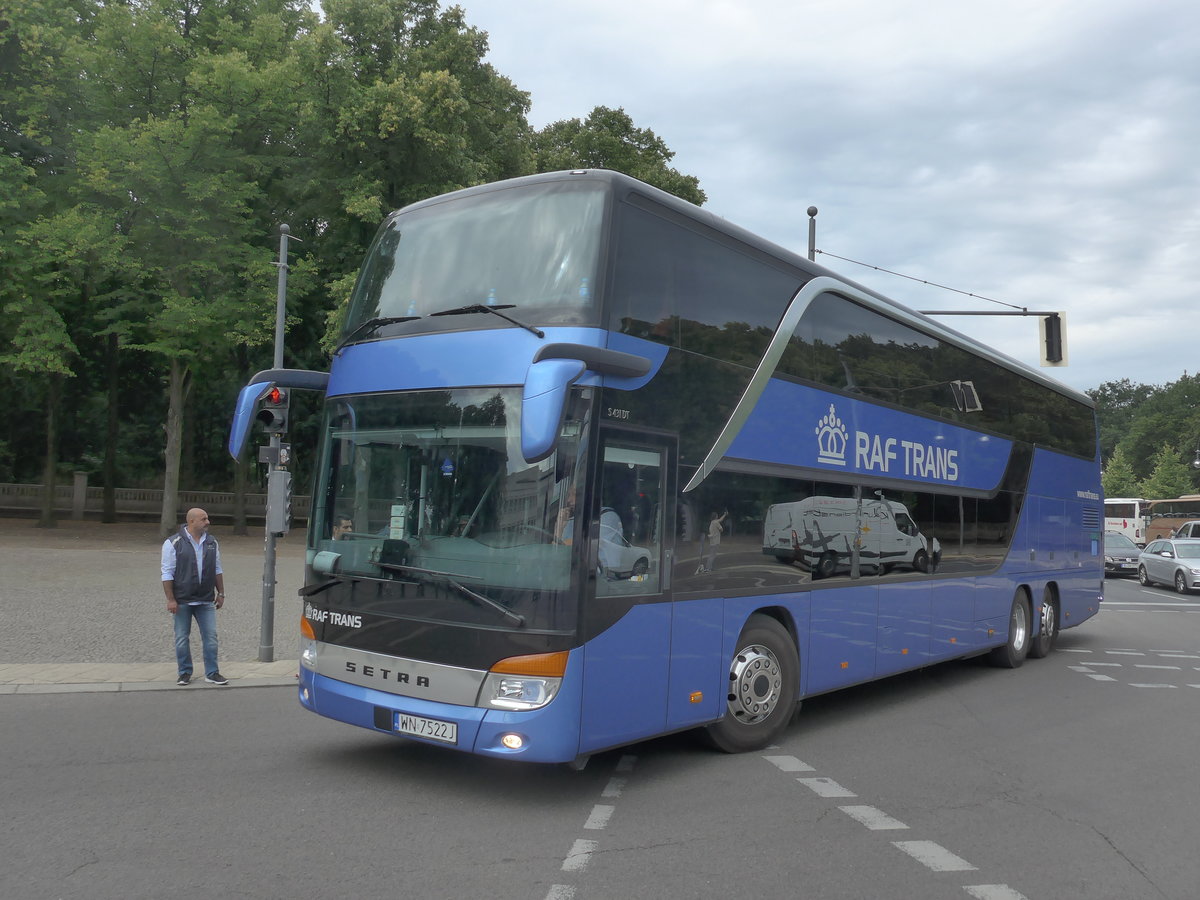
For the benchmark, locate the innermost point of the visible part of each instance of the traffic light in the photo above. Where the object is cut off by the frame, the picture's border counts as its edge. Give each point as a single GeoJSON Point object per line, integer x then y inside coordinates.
{"type": "Point", "coordinates": [1054, 350]}
{"type": "Point", "coordinates": [279, 501]}
{"type": "Point", "coordinates": [274, 412]}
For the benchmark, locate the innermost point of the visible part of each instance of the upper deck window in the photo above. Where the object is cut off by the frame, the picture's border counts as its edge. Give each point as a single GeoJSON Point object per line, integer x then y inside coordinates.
{"type": "Point", "coordinates": [533, 247]}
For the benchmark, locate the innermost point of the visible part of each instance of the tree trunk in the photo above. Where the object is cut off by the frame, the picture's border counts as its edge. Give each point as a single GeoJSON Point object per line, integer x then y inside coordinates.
{"type": "Point", "coordinates": [48, 519]}
{"type": "Point", "coordinates": [112, 432]}
{"type": "Point", "coordinates": [176, 392]}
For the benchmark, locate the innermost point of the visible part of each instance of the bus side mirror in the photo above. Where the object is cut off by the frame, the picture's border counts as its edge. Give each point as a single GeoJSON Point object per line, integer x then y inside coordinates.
{"type": "Point", "coordinates": [544, 403]}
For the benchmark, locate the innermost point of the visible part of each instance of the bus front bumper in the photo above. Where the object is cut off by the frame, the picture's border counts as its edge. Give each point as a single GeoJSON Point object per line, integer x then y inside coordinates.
{"type": "Point", "coordinates": [549, 734]}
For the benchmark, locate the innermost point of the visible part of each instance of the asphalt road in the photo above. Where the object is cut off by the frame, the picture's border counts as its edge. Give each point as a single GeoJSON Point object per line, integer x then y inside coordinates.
{"type": "Point", "coordinates": [1071, 777]}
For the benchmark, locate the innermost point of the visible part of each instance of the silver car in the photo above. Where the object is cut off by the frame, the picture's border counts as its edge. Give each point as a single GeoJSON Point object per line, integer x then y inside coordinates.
{"type": "Point", "coordinates": [1175, 562]}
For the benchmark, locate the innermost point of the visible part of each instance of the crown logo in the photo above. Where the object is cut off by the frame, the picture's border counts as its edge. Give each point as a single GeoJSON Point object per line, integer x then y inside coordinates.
{"type": "Point", "coordinates": [831, 439]}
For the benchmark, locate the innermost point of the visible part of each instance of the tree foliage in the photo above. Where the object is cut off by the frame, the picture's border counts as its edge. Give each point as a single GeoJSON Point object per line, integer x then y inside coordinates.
{"type": "Point", "coordinates": [149, 150]}
{"type": "Point", "coordinates": [1118, 477]}
{"type": "Point", "coordinates": [608, 139]}
{"type": "Point", "coordinates": [1141, 422]}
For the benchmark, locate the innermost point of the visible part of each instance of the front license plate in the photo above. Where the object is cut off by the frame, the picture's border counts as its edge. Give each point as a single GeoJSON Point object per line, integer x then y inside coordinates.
{"type": "Point", "coordinates": [431, 729]}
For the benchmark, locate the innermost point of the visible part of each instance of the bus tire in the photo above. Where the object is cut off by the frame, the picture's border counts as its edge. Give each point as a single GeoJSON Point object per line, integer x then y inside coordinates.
{"type": "Point", "coordinates": [1047, 637]}
{"type": "Point", "coordinates": [764, 678]}
{"type": "Point", "coordinates": [1016, 648]}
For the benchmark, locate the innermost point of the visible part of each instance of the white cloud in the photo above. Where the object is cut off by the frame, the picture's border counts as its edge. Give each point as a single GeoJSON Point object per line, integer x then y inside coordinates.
{"type": "Point", "coordinates": [1038, 152]}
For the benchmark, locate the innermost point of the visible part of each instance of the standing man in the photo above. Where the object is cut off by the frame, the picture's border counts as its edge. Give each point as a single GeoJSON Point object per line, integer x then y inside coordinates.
{"type": "Point", "coordinates": [194, 583]}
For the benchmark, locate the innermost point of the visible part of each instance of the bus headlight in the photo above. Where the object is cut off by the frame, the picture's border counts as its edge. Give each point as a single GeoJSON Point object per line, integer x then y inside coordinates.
{"type": "Point", "coordinates": [523, 682]}
{"type": "Point", "coordinates": [308, 645]}
{"type": "Point", "coordinates": [308, 655]}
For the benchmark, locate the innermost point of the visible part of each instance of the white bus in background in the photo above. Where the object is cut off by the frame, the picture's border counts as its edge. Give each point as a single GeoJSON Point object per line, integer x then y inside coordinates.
{"type": "Point", "coordinates": [1127, 516]}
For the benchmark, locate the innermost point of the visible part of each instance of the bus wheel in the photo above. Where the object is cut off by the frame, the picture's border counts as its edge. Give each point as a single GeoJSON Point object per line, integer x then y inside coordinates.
{"type": "Point", "coordinates": [764, 677]}
{"type": "Point", "coordinates": [1047, 637]}
{"type": "Point", "coordinates": [1016, 648]}
{"type": "Point", "coordinates": [921, 561]}
{"type": "Point", "coordinates": [826, 565]}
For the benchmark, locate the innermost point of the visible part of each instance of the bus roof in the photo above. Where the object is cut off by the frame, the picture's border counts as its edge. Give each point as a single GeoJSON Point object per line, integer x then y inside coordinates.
{"type": "Point", "coordinates": [623, 185]}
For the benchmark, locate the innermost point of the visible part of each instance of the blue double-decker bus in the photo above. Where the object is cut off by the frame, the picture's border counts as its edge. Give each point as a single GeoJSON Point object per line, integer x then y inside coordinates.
{"type": "Point", "coordinates": [597, 465]}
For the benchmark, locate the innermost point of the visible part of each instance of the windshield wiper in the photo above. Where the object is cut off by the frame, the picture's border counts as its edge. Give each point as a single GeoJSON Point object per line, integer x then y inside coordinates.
{"type": "Point", "coordinates": [449, 578]}
{"type": "Point", "coordinates": [370, 325]}
{"type": "Point", "coordinates": [494, 310]}
{"type": "Point", "coordinates": [310, 590]}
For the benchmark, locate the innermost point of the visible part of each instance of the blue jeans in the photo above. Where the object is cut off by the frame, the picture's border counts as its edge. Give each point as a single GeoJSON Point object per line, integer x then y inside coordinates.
{"type": "Point", "coordinates": [205, 615]}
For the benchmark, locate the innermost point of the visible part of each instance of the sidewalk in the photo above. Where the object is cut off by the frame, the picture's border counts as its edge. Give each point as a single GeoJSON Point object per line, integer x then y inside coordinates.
{"type": "Point", "coordinates": [69, 678]}
{"type": "Point", "coordinates": [82, 610]}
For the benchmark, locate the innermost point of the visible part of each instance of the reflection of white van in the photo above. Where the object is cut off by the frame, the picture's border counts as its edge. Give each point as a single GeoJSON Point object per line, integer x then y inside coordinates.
{"type": "Point", "coordinates": [819, 532]}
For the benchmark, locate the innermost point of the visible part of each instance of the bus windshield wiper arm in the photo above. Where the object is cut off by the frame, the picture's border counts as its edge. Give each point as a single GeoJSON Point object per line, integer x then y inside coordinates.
{"type": "Point", "coordinates": [310, 590]}
{"type": "Point", "coordinates": [449, 578]}
{"type": "Point", "coordinates": [370, 325]}
{"type": "Point", "coordinates": [494, 310]}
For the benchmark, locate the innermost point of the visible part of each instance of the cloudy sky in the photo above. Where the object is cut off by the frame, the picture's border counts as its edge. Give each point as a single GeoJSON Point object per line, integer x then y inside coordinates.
{"type": "Point", "coordinates": [1045, 153]}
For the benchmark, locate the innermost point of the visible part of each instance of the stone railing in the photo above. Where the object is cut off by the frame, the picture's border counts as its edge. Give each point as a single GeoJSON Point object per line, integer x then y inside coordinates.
{"type": "Point", "coordinates": [78, 501]}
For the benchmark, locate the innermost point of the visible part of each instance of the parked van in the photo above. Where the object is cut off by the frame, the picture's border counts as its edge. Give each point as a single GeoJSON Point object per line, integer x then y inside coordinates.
{"type": "Point", "coordinates": [1188, 530]}
{"type": "Point", "coordinates": [820, 534]}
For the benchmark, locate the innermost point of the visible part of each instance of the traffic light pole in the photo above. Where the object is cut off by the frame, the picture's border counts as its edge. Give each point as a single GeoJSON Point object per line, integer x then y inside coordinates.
{"type": "Point", "coordinates": [266, 639]}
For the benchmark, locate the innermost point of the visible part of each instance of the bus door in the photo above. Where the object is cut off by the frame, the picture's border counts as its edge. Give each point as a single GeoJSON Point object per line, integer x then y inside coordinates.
{"type": "Point", "coordinates": [626, 621]}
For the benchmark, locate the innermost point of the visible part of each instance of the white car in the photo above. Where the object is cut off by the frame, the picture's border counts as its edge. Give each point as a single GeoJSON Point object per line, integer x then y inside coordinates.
{"type": "Point", "coordinates": [1171, 562]}
{"type": "Point", "coordinates": [618, 557]}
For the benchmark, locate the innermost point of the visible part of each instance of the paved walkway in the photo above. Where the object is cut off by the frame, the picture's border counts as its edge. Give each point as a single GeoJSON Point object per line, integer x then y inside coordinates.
{"type": "Point", "coordinates": [83, 610]}
{"type": "Point", "coordinates": [59, 678]}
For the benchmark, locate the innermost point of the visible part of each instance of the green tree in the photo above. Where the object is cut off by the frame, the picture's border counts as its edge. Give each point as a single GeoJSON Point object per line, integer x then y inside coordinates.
{"type": "Point", "coordinates": [1169, 478]}
{"type": "Point", "coordinates": [394, 104]}
{"type": "Point", "coordinates": [1118, 477]}
{"type": "Point", "coordinates": [1117, 403]}
{"type": "Point", "coordinates": [1168, 415]}
{"type": "Point", "coordinates": [608, 139]}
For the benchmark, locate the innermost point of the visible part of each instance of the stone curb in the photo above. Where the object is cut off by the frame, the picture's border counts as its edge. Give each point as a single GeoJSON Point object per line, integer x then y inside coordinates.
{"type": "Point", "coordinates": [66, 678]}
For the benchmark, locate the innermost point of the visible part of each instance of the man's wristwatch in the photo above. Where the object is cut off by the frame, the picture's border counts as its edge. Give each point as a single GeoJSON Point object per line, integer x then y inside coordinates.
{"type": "Point", "coordinates": [222, 596]}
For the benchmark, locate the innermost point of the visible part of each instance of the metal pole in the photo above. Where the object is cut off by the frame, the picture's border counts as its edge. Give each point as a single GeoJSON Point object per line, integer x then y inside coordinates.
{"type": "Point", "coordinates": [266, 631]}
{"type": "Point", "coordinates": [812, 233]}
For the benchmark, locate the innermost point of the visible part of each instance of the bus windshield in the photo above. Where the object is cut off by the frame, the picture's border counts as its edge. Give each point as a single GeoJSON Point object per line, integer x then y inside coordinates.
{"type": "Point", "coordinates": [534, 250]}
{"type": "Point", "coordinates": [431, 488]}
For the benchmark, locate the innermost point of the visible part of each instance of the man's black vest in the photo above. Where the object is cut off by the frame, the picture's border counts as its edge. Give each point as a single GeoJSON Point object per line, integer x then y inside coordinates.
{"type": "Point", "coordinates": [187, 588]}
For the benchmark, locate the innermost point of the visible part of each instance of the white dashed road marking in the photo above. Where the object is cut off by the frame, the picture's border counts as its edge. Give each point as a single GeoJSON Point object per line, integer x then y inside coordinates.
{"type": "Point", "coordinates": [993, 892]}
{"type": "Point", "coordinates": [874, 819]}
{"type": "Point", "coordinates": [934, 856]}
{"type": "Point", "coordinates": [577, 859]}
{"type": "Point", "coordinates": [826, 787]}
{"type": "Point", "coordinates": [788, 764]}
{"type": "Point", "coordinates": [599, 817]}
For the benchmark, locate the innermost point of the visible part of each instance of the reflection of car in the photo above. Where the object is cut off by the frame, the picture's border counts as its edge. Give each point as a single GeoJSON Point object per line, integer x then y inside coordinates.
{"type": "Point", "coordinates": [1171, 562]}
{"type": "Point", "coordinates": [1120, 554]}
{"type": "Point", "coordinates": [618, 557]}
{"type": "Point", "coordinates": [1188, 530]}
